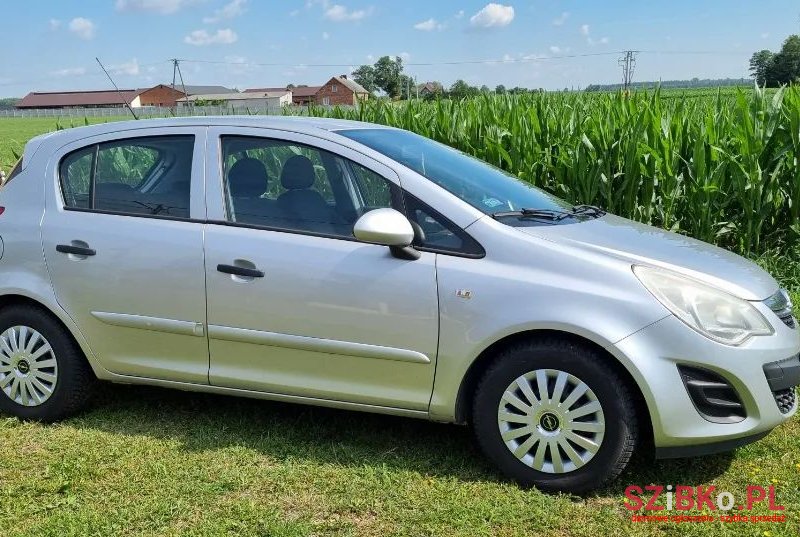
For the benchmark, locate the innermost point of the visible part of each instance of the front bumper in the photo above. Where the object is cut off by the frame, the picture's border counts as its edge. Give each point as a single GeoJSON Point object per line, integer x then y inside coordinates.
{"type": "Point", "coordinates": [653, 354]}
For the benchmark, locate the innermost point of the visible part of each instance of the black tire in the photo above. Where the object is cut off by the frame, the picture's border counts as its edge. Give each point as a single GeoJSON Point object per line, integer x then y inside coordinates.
{"type": "Point", "coordinates": [75, 379]}
{"type": "Point", "coordinates": [588, 365]}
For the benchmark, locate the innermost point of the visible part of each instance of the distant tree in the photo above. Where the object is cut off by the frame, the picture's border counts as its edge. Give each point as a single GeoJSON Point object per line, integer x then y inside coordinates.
{"type": "Point", "coordinates": [365, 76]}
{"type": "Point", "coordinates": [500, 89]}
{"type": "Point", "coordinates": [785, 66]}
{"type": "Point", "coordinates": [461, 90]}
{"type": "Point", "coordinates": [760, 65]}
{"type": "Point", "coordinates": [290, 86]}
{"type": "Point", "coordinates": [8, 102]}
{"type": "Point", "coordinates": [388, 73]}
{"type": "Point", "coordinates": [408, 90]}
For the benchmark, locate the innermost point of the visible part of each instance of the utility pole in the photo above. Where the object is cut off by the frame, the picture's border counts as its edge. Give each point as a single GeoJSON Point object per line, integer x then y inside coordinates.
{"type": "Point", "coordinates": [628, 63]}
{"type": "Point", "coordinates": [176, 69]}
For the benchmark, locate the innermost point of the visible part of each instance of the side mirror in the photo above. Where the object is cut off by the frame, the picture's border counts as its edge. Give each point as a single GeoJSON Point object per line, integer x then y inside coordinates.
{"type": "Point", "coordinates": [387, 227]}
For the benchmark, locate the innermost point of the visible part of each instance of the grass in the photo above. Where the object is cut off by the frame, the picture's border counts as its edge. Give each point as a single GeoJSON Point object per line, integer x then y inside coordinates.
{"type": "Point", "coordinates": [143, 461]}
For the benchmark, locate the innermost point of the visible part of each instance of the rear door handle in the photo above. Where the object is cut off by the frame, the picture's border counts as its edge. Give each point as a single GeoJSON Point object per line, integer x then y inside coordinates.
{"type": "Point", "coordinates": [75, 250]}
{"type": "Point", "coordinates": [240, 271]}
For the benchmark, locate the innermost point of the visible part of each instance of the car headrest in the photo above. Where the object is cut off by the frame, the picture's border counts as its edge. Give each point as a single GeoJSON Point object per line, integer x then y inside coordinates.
{"type": "Point", "coordinates": [247, 178]}
{"type": "Point", "coordinates": [298, 173]}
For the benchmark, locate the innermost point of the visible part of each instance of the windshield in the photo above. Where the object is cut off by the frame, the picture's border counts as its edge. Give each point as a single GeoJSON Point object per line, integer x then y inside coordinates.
{"type": "Point", "coordinates": [485, 187]}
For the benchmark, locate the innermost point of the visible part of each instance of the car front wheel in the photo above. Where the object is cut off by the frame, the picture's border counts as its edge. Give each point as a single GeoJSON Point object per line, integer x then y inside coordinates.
{"type": "Point", "coordinates": [554, 415]}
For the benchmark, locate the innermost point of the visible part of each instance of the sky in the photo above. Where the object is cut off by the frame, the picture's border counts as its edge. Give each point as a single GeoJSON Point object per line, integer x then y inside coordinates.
{"type": "Point", "coordinates": [551, 44]}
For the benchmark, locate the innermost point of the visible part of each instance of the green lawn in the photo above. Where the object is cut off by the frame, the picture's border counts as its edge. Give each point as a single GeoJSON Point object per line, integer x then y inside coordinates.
{"type": "Point", "coordinates": [144, 461]}
{"type": "Point", "coordinates": [15, 133]}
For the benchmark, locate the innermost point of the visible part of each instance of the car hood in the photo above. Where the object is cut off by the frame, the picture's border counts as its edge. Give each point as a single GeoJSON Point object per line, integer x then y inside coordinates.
{"type": "Point", "coordinates": [647, 245]}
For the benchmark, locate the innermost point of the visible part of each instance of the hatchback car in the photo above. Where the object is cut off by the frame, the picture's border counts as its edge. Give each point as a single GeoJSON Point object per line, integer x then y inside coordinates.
{"type": "Point", "coordinates": [362, 267]}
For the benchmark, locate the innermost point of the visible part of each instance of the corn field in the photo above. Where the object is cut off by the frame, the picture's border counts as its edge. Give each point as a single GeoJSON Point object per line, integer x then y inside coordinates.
{"type": "Point", "coordinates": [722, 168]}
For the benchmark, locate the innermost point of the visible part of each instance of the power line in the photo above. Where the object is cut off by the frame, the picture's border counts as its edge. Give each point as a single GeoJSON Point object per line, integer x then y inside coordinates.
{"type": "Point", "coordinates": [527, 59]}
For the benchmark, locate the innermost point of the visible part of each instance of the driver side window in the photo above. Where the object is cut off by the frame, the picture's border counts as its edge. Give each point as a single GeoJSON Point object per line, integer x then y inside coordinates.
{"type": "Point", "coordinates": [287, 186]}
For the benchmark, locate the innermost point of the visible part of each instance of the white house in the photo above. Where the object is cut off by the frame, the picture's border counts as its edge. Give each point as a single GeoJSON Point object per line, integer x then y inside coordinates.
{"type": "Point", "coordinates": [252, 100]}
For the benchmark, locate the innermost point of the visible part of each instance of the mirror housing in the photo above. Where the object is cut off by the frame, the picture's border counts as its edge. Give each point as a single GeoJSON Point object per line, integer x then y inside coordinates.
{"type": "Point", "coordinates": [387, 227]}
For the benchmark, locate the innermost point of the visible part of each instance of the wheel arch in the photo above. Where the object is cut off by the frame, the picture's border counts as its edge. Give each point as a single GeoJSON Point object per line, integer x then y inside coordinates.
{"type": "Point", "coordinates": [13, 299]}
{"type": "Point", "coordinates": [479, 366]}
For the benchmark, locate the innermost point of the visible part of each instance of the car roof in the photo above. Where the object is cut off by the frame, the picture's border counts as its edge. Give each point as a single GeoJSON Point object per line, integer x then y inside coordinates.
{"type": "Point", "coordinates": [292, 123]}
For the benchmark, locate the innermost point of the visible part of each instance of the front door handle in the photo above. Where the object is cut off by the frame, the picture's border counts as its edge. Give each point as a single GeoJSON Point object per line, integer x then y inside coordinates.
{"type": "Point", "coordinates": [75, 250]}
{"type": "Point", "coordinates": [240, 271]}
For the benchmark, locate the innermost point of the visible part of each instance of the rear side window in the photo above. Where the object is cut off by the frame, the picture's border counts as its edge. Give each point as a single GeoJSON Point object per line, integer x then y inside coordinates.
{"type": "Point", "coordinates": [140, 176]}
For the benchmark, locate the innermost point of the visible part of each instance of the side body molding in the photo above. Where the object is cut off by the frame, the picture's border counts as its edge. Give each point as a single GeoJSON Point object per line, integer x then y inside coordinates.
{"type": "Point", "coordinates": [143, 322]}
{"type": "Point", "coordinates": [328, 346]}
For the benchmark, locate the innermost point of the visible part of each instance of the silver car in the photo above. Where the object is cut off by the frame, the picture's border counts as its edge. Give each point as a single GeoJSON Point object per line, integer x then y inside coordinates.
{"type": "Point", "coordinates": [367, 268]}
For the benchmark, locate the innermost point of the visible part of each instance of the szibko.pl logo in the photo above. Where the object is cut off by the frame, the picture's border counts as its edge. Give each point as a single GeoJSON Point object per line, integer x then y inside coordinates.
{"type": "Point", "coordinates": [687, 498]}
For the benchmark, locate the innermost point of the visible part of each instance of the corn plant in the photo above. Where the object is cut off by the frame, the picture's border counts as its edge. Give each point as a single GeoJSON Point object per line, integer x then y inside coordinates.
{"type": "Point", "coordinates": [721, 166]}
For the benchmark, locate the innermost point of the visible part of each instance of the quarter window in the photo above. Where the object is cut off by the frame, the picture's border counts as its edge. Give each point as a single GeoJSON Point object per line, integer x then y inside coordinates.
{"type": "Point", "coordinates": [144, 176]}
{"type": "Point", "coordinates": [432, 231]}
{"type": "Point", "coordinates": [288, 186]}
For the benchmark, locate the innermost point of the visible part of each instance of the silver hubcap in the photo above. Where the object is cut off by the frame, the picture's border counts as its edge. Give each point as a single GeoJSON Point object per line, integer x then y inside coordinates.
{"type": "Point", "coordinates": [551, 421]}
{"type": "Point", "coordinates": [28, 368]}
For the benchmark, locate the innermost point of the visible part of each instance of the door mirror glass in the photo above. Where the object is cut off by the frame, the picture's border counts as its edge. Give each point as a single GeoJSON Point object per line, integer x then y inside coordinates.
{"type": "Point", "coordinates": [386, 227]}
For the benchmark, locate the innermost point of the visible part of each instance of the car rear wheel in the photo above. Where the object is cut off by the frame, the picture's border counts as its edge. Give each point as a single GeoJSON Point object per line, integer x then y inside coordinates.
{"type": "Point", "coordinates": [43, 374]}
{"type": "Point", "coordinates": [552, 414]}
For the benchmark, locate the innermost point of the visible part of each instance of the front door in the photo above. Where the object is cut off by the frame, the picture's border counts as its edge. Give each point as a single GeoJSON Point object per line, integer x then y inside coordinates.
{"type": "Point", "coordinates": [295, 305]}
{"type": "Point", "coordinates": [125, 259]}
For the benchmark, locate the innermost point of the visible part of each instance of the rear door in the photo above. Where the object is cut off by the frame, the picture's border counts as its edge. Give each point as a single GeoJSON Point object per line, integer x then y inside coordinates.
{"type": "Point", "coordinates": [123, 240]}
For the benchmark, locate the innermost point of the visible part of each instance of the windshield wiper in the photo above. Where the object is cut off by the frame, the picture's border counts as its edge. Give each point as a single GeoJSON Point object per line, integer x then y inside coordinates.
{"type": "Point", "coordinates": [588, 209]}
{"type": "Point", "coordinates": [549, 214]}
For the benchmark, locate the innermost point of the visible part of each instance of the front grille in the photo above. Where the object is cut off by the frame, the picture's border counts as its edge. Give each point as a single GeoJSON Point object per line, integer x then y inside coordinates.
{"type": "Point", "coordinates": [781, 305]}
{"type": "Point", "coordinates": [713, 397]}
{"type": "Point", "coordinates": [785, 399]}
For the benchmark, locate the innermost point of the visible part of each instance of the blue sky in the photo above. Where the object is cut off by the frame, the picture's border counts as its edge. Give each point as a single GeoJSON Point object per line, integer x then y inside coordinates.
{"type": "Point", "coordinates": [52, 45]}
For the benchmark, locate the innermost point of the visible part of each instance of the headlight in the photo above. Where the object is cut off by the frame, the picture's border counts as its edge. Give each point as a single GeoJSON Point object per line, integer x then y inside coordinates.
{"type": "Point", "coordinates": [712, 312]}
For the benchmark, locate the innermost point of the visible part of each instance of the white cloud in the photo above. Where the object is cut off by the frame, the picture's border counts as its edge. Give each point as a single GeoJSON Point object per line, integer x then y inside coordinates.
{"type": "Point", "coordinates": [405, 56]}
{"type": "Point", "coordinates": [765, 35]}
{"type": "Point", "coordinates": [294, 13]}
{"type": "Point", "coordinates": [228, 11]}
{"type": "Point", "coordinates": [200, 38]}
{"type": "Point", "coordinates": [428, 25]}
{"type": "Point", "coordinates": [460, 14]}
{"type": "Point", "coordinates": [493, 16]}
{"type": "Point", "coordinates": [70, 71]}
{"type": "Point", "coordinates": [130, 68]}
{"type": "Point", "coordinates": [561, 19]}
{"type": "Point", "coordinates": [589, 40]}
{"type": "Point", "coordinates": [339, 13]}
{"type": "Point", "coordinates": [555, 49]}
{"type": "Point", "coordinates": [55, 24]}
{"type": "Point", "coordinates": [326, 36]}
{"type": "Point", "coordinates": [162, 7]}
{"type": "Point", "coordinates": [83, 28]}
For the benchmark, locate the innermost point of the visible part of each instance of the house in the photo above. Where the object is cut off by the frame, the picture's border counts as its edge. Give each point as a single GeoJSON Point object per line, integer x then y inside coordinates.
{"type": "Point", "coordinates": [254, 100]}
{"type": "Point", "coordinates": [168, 95]}
{"type": "Point", "coordinates": [301, 95]}
{"type": "Point", "coordinates": [160, 95]}
{"type": "Point", "coordinates": [429, 89]}
{"type": "Point", "coordinates": [81, 99]}
{"type": "Point", "coordinates": [340, 90]}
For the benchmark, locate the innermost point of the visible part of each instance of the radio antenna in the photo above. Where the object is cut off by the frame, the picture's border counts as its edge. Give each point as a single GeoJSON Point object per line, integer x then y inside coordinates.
{"type": "Point", "coordinates": [123, 99]}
